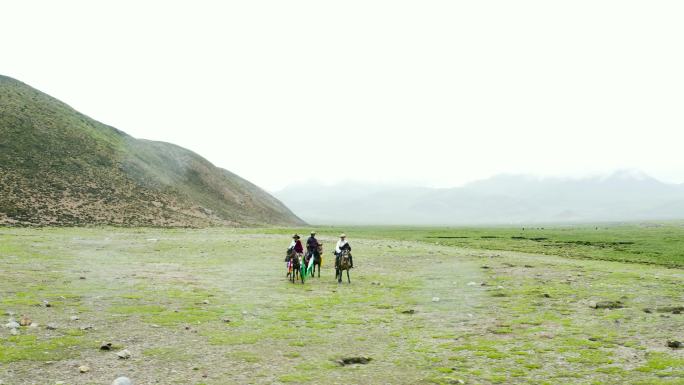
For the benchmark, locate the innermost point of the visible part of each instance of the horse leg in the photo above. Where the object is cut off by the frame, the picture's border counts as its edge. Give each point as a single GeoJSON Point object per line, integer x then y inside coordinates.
{"type": "Point", "coordinates": [348, 280]}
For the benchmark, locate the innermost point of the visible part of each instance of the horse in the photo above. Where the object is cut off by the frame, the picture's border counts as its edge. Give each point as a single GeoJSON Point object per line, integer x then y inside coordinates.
{"type": "Point", "coordinates": [343, 264]}
{"type": "Point", "coordinates": [317, 259]}
{"type": "Point", "coordinates": [294, 266]}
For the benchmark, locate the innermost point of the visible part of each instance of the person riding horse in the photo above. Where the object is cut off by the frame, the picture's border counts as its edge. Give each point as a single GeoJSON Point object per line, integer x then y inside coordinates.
{"type": "Point", "coordinates": [294, 256]}
{"type": "Point", "coordinates": [312, 248]}
{"type": "Point", "coordinates": [295, 245]}
{"type": "Point", "coordinates": [342, 245]}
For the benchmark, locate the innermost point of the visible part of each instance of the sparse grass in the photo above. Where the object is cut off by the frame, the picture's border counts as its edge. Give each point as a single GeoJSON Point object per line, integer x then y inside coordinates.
{"type": "Point", "coordinates": [650, 243]}
{"type": "Point", "coordinates": [213, 306]}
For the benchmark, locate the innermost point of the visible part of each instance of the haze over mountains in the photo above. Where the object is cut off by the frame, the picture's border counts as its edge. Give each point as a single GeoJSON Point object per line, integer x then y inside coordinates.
{"type": "Point", "coordinates": [60, 167]}
{"type": "Point", "coordinates": [505, 199]}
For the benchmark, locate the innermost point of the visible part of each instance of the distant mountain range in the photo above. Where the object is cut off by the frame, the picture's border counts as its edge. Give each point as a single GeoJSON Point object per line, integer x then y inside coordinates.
{"type": "Point", "coordinates": [60, 167]}
{"type": "Point", "coordinates": [504, 199]}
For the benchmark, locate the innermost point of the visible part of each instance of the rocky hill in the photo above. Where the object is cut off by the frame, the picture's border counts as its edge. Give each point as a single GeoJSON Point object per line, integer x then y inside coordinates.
{"type": "Point", "coordinates": [60, 167]}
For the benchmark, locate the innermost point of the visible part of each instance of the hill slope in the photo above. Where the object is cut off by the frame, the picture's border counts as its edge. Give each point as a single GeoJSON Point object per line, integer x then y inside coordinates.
{"type": "Point", "coordinates": [505, 199]}
{"type": "Point", "coordinates": [60, 167]}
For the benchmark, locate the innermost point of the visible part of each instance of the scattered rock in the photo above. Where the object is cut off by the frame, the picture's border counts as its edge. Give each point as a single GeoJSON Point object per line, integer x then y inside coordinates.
{"type": "Point", "coordinates": [124, 354]}
{"type": "Point", "coordinates": [471, 283]}
{"type": "Point", "coordinates": [51, 326]}
{"type": "Point", "coordinates": [87, 327]}
{"type": "Point", "coordinates": [106, 346]}
{"type": "Point", "coordinates": [206, 302]}
{"type": "Point", "coordinates": [122, 381]}
{"type": "Point", "coordinates": [484, 267]}
{"type": "Point", "coordinates": [12, 324]}
{"type": "Point", "coordinates": [410, 311]}
{"type": "Point", "coordinates": [25, 321]}
{"type": "Point", "coordinates": [226, 321]}
{"type": "Point", "coordinates": [607, 305]}
{"type": "Point", "coordinates": [354, 360]}
{"type": "Point", "coordinates": [435, 299]}
{"type": "Point", "coordinates": [14, 332]}
{"type": "Point", "coordinates": [74, 318]}
{"type": "Point", "coordinates": [33, 325]}
{"type": "Point", "coordinates": [10, 313]}
{"type": "Point", "coordinates": [546, 295]}
{"type": "Point", "coordinates": [81, 277]}
{"type": "Point", "coordinates": [376, 283]}
{"type": "Point", "coordinates": [675, 344]}
{"type": "Point", "coordinates": [457, 381]}
{"type": "Point", "coordinates": [244, 312]}
{"type": "Point", "coordinates": [529, 266]}
{"type": "Point", "coordinates": [84, 368]}
{"type": "Point", "coordinates": [671, 309]}
{"type": "Point", "coordinates": [46, 303]}
{"type": "Point", "coordinates": [647, 310]}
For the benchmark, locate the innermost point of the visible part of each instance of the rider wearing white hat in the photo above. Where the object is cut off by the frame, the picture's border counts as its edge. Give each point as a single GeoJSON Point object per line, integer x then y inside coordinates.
{"type": "Point", "coordinates": [342, 245]}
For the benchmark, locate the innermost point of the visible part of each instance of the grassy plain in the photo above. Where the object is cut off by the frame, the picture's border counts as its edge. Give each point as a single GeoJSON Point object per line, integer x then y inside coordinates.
{"type": "Point", "coordinates": [649, 243]}
{"type": "Point", "coordinates": [213, 307]}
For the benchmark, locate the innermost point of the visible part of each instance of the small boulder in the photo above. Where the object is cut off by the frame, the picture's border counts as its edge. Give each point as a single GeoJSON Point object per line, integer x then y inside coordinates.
{"type": "Point", "coordinates": [607, 305]}
{"type": "Point", "coordinates": [122, 381]}
{"type": "Point", "coordinates": [25, 321]}
{"type": "Point", "coordinates": [106, 346]}
{"type": "Point", "coordinates": [435, 299]}
{"type": "Point", "coordinates": [675, 344]}
{"type": "Point", "coordinates": [74, 318]}
{"type": "Point", "coordinates": [84, 368]}
{"type": "Point", "coordinates": [12, 324]}
{"type": "Point", "coordinates": [671, 309]}
{"type": "Point", "coordinates": [124, 354]}
{"type": "Point", "coordinates": [51, 326]}
{"type": "Point", "coordinates": [409, 311]}
{"type": "Point", "coordinates": [354, 360]}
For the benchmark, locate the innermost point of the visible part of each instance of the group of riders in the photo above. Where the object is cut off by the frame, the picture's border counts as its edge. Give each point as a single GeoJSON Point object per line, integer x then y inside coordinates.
{"type": "Point", "coordinates": [296, 258]}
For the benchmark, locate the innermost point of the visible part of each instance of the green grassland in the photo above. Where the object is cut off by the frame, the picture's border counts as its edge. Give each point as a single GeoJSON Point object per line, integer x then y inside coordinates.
{"type": "Point", "coordinates": [649, 243]}
{"type": "Point", "coordinates": [212, 306]}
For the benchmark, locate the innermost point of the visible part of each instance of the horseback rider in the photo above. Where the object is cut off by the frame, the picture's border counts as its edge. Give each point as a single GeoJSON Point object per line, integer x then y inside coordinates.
{"type": "Point", "coordinates": [312, 247]}
{"type": "Point", "coordinates": [296, 244]}
{"type": "Point", "coordinates": [342, 245]}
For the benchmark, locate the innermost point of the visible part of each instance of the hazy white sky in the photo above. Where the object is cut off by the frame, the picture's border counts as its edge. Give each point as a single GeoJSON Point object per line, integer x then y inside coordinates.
{"type": "Point", "coordinates": [430, 92]}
